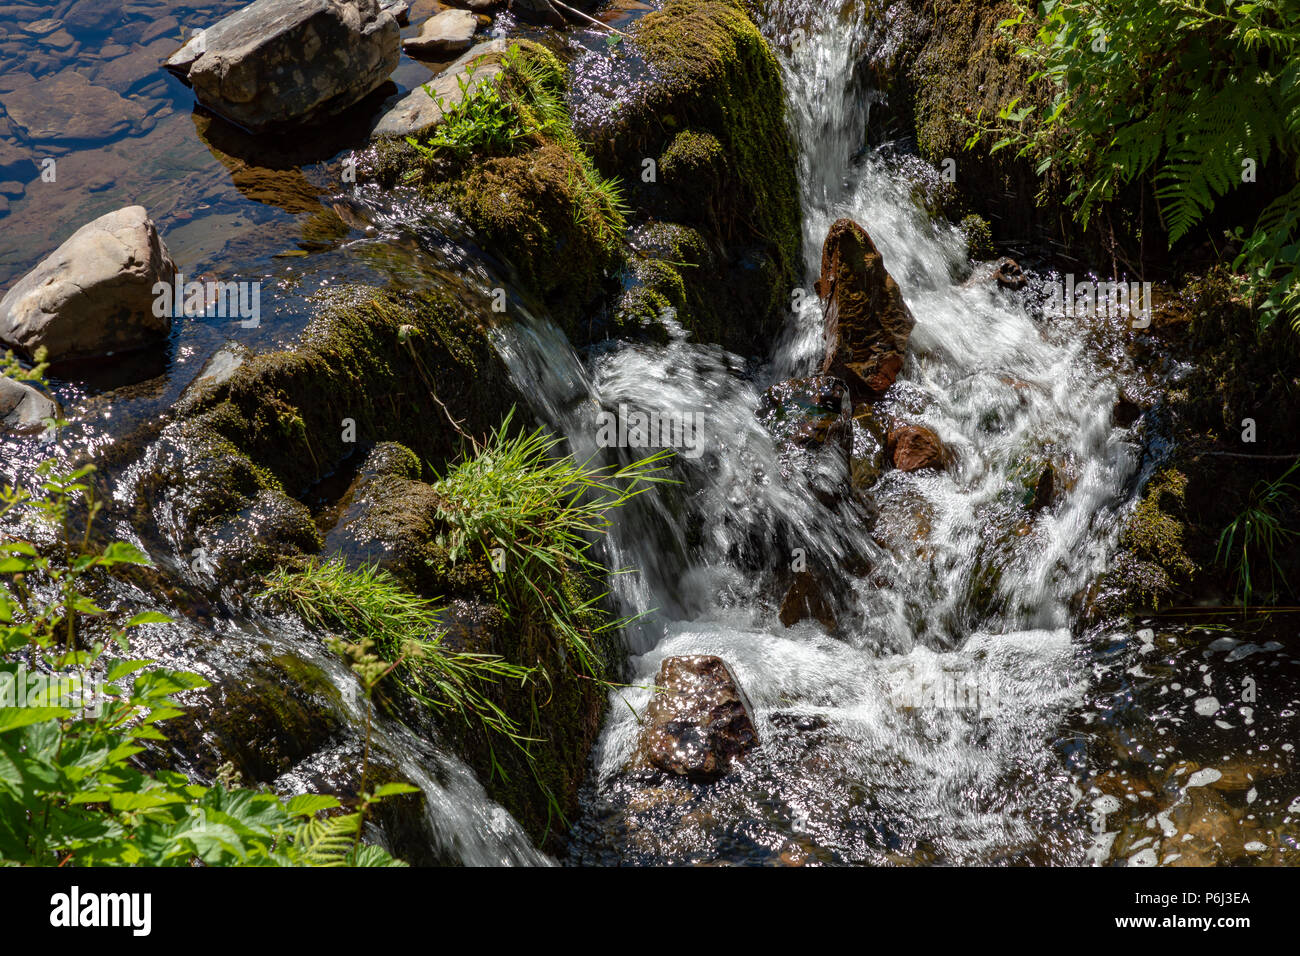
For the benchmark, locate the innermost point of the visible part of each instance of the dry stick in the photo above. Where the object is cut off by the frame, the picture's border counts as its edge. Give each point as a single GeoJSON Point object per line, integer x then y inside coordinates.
{"type": "Point", "coordinates": [592, 20]}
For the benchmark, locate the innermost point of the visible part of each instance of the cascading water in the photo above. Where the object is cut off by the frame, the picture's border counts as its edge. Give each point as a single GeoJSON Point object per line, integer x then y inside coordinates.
{"type": "Point", "coordinates": [924, 731]}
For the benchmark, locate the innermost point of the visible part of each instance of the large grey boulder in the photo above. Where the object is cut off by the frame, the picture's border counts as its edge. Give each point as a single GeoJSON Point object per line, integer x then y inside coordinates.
{"type": "Point", "coordinates": [23, 408]}
{"type": "Point", "coordinates": [281, 62]}
{"type": "Point", "coordinates": [410, 113]}
{"type": "Point", "coordinates": [94, 295]}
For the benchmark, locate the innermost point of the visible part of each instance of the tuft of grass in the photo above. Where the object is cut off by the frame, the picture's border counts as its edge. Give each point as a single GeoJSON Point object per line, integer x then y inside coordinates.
{"type": "Point", "coordinates": [484, 121]}
{"type": "Point", "coordinates": [600, 205]}
{"type": "Point", "coordinates": [536, 515]}
{"type": "Point", "coordinates": [1255, 535]}
{"type": "Point", "coordinates": [371, 606]}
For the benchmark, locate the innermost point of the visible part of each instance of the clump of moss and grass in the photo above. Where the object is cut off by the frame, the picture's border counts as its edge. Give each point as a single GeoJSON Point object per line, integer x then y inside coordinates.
{"type": "Point", "coordinates": [506, 158]}
{"type": "Point", "coordinates": [527, 699]}
{"type": "Point", "coordinates": [1219, 523]}
{"type": "Point", "coordinates": [232, 471]}
{"type": "Point", "coordinates": [713, 120]}
{"type": "Point", "coordinates": [553, 202]}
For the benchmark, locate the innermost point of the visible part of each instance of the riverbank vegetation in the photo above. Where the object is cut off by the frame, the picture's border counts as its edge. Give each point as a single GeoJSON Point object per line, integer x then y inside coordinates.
{"type": "Point", "coordinates": [77, 721]}
{"type": "Point", "coordinates": [520, 520]}
{"type": "Point", "coordinates": [1191, 106]}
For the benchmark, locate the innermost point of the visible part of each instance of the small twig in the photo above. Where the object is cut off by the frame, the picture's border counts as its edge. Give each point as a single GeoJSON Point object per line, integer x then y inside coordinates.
{"type": "Point", "coordinates": [1245, 454]}
{"type": "Point", "coordinates": [592, 20]}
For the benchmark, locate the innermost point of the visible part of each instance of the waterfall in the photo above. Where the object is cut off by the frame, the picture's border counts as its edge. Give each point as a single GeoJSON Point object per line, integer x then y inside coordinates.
{"type": "Point", "coordinates": [935, 713]}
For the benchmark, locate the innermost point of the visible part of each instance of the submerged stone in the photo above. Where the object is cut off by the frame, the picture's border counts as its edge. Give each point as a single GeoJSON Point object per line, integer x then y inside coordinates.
{"type": "Point", "coordinates": [915, 447]}
{"type": "Point", "coordinates": [66, 107]}
{"type": "Point", "coordinates": [811, 420]}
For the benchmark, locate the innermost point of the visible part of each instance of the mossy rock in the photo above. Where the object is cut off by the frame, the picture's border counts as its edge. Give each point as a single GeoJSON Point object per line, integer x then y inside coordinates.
{"type": "Point", "coordinates": [396, 522]}
{"type": "Point", "coordinates": [1152, 564]}
{"type": "Point", "coordinates": [537, 213]}
{"type": "Point", "coordinates": [243, 452]}
{"type": "Point", "coordinates": [694, 170]}
{"type": "Point", "coordinates": [979, 236]}
{"type": "Point", "coordinates": [262, 720]}
{"type": "Point", "coordinates": [397, 366]}
{"type": "Point", "coordinates": [940, 68]}
{"type": "Point", "coordinates": [677, 269]}
{"type": "Point", "coordinates": [713, 118]}
{"type": "Point", "coordinates": [560, 707]}
{"type": "Point", "coordinates": [1170, 548]}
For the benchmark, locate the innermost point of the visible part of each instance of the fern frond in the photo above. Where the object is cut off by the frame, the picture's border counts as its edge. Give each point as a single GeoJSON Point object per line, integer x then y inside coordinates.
{"type": "Point", "coordinates": [326, 841]}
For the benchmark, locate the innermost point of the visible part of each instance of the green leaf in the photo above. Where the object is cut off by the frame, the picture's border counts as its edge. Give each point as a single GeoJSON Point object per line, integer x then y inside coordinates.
{"type": "Point", "coordinates": [11, 718]}
{"type": "Point", "coordinates": [393, 790]}
{"type": "Point", "coordinates": [148, 617]}
{"type": "Point", "coordinates": [309, 804]}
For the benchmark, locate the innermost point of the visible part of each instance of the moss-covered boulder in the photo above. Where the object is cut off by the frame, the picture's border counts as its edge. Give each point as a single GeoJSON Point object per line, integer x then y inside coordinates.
{"type": "Point", "coordinates": [1223, 429]}
{"type": "Point", "coordinates": [227, 479]}
{"type": "Point", "coordinates": [710, 116]}
{"type": "Point", "coordinates": [540, 212]}
{"type": "Point", "coordinates": [504, 158]}
{"type": "Point", "coordinates": [943, 67]}
{"type": "Point", "coordinates": [396, 522]}
{"type": "Point", "coordinates": [549, 195]}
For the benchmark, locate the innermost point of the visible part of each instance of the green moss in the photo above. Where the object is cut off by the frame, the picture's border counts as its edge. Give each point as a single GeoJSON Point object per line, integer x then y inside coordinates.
{"type": "Point", "coordinates": [675, 263]}
{"type": "Point", "coordinates": [1153, 562]}
{"type": "Point", "coordinates": [539, 213]}
{"type": "Point", "coordinates": [944, 71]}
{"type": "Point", "coordinates": [1154, 532]}
{"type": "Point", "coordinates": [693, 160]}
{"type": "Point", "coordinates": [393, 459]}
{"type": "Point", "coordinates": [378, 359]}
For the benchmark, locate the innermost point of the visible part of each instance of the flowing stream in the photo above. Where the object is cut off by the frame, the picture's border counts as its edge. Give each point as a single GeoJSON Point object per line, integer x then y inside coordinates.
{"type": "Point", "coordinates": [925, 731]}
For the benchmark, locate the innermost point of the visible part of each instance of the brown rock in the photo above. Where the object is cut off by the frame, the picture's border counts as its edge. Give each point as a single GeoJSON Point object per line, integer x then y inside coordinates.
{"type": "Point", "coordinates": [806, 599]}
{"type": "Point", "coordinates": [867, 322]}
{"type": "Point", "coordinates": [66, 107]}
{"type": "Point", "coordinates": [698, 722]}
{"type": "Point", "coordinates": [913, 447]}
{"type": "Point", "coordinates": [1009, 275]}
